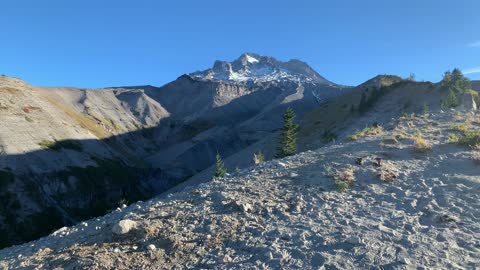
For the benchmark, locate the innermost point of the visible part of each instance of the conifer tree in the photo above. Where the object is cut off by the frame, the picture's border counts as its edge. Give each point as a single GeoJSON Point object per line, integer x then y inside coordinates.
{"type": "Point", "coordinates": [455, 81]}
{"type": "Point", "coordinates": [451, 101]}
{"type": "Point", "coordinates": [288, 139]}
{"type": "Point", "coordinates": [220, 170]}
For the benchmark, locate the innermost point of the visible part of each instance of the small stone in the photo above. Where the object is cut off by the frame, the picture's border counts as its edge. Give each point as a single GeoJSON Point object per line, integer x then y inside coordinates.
{"type": "Point", "coordinates": [270, 255]}
{"type": "Point", "coordinates": [281, 164]}
{"type": "Point", "coordinates": [116, 250]}
{"type": "Point", "coordinates": [151, 247]}
{"type": "Point", "coordinates": [124, 226]}
{"type": "Point", "coordinates": [354, 240]}
{"type": "Point", "coordinates": [441, 238]}
{"type": "Point", "coordinates": [84, 224]}
{"type": "Point", "coordinates": [246, 207]}
{"type": "Point", "coordinates": [227, 259]}
{"type": "Point", "coordinates": [124, 205]}
{"type": "Point", "coordinates": [447, 219]}
{"type": "Point", "coordinates": [359, 161]}
{"type": "Point", "coordinates": [404, 260]}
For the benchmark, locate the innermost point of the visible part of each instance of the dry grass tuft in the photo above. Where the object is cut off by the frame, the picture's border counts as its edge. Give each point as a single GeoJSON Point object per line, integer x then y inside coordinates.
{"type": "Point", "coordinates": [258, 158]}
{"type": "Point", "coordinates": [420, 145]}
{"type": "Point", "coordinates": [462, 127]}
{"type": "Point", "coordinates": [344, 178]}
{"type": "Point", "coordinates": [368, 131]}
{"type": "Point", "coordinates": [453, 138]}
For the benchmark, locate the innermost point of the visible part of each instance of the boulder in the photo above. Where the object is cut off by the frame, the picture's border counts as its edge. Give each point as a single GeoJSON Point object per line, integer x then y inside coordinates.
{"type": "Point", "coordinates": [124, 226]}
{"type": "Point", "coordinates": [468, 103]}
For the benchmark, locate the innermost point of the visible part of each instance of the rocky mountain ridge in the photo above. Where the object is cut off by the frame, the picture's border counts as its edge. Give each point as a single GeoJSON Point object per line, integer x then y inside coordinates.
{"type": "Point", "coordinates": [257, 68]}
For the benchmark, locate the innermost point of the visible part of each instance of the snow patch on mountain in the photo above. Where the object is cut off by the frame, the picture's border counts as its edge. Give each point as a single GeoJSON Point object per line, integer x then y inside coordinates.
{"type": "Point", "coordinates": [251, 59]}
{"type": "Point", "coordinates": [257, 68]}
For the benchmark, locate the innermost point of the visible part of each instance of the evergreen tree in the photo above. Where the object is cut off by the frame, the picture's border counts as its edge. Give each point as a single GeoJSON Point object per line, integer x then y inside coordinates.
{"type": "Point", "coordinates": [220, 170]}
{"type": "Point", "coordinates": [288, 140]}
{"type": "Point", "coordinates": [455, 81]}
{"type": "Point", "coordinates": [451, 101]}
{"type": "Point", "coordinates": [363, 106]}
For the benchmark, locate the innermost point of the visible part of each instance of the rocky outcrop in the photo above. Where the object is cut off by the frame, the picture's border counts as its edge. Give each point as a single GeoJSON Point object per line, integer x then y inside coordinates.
{"type": "Point", "coordinates": [468, 103]}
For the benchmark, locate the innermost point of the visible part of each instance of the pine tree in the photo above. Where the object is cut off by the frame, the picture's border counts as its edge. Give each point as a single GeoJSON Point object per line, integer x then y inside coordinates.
{"type": "Point", "coordinates": [363, 106]}
{"type": "Point", "coordinates": [455, 81]}
{"type": "Point", "coordinates": [220, 170]}
{"type": "Point", "coordinates": [288, 140]}
{"type": "Point", "coordinates": [451, 101]}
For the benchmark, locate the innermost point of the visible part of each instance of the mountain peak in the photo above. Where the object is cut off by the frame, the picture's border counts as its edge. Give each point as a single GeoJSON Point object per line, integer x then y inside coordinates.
{"type": "Point", "coordinates": [255, 67]}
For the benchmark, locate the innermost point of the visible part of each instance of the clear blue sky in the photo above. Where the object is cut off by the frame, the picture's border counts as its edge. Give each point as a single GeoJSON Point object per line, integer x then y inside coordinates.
{"type": "Point", "coordinates": [103, 43]}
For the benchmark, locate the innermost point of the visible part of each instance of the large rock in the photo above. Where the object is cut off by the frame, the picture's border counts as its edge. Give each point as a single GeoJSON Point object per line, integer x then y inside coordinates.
{"type": "Point", "coordinates": [468, 103]}
{"type": "Point", "coordinates": [124, 226]}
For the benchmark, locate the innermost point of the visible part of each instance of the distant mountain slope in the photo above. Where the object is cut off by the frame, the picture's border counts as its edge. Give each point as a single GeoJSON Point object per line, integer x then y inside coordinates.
{"type": "Point", "coordinates": [75, 153]}
{"type": "Point", "coordinates": [376, 101]}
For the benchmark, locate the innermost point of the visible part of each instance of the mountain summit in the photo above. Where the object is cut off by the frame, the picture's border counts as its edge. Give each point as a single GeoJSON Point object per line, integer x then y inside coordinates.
{"type": "Point", "coordinates": [258, 68]}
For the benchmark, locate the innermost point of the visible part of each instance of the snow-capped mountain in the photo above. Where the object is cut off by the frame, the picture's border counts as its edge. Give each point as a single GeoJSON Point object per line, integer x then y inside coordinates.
{"type": "Point", "coordinates": [254, 67]}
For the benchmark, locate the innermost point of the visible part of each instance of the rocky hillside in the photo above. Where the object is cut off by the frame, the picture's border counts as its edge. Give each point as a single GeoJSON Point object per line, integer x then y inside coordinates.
{"type": "Point", "coordinates": [68, 154]}
{"type": "Point", "coordinates": [403, 194]}
{"type": "Point", "coordinates": [375, 101]}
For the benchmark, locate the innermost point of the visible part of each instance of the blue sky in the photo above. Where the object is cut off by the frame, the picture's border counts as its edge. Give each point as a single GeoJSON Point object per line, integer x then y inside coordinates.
{"type": "Point", "coordinates": [112, 43]}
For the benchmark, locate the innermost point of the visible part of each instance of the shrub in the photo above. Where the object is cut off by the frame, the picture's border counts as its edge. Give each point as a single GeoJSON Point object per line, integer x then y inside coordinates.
{"type": "Point", "coordinates": [258, 158]}
{"type": "Point", "coordinates": [421, 145]}
{"type": "Point", "coordinates": [341, 186]}
{"type": "Point", "coordinates": [425, 109]}
{"type": "Point", "coordinates": [220, 170]}
{"type": "Point", "coordinates": [462, 127]}
{"type": "Point", "coordinates": [470, 139]}
{"type": "Point", "coordinates": [47, 144]}
{"type": "Point", "coordinates": [453, 138]}
{"type": "Point", "coordinates": [345, 175]}
{"type": "Point", "coordinates": [344, 178]}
